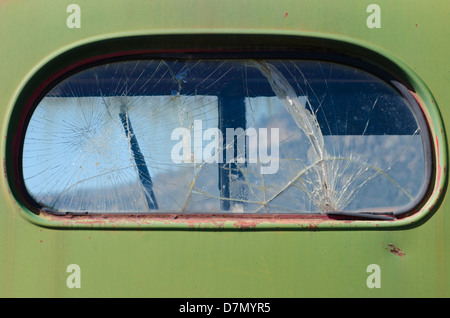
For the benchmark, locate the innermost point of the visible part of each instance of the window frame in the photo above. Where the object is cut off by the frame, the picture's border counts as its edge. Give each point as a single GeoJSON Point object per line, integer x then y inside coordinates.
{"type": "Point", "coordinates": [245, 219]}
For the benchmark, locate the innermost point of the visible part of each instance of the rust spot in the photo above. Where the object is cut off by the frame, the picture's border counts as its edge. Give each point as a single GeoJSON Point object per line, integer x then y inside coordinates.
{"type": "Point", "coordinates": [41, 241]}
{"type": "Point", "coordinates": [417, 25]}
{"type": "Point", "coordinates": [245, 224]}
{"type": "Point", "coordinates": [286, 14]}
{"type": "Point", "coordinates": [313, 226]}
{"type": "Point", "coordinates": [395, 250]}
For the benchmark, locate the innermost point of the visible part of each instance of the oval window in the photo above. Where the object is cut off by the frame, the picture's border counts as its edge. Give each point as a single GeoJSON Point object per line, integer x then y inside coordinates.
{"type": "Point", "coordinates": [219, 136]}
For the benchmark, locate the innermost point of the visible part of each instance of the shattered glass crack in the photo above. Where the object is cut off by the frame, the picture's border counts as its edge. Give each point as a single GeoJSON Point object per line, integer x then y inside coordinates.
{"type": "Point", "coordinates": [338, 139]}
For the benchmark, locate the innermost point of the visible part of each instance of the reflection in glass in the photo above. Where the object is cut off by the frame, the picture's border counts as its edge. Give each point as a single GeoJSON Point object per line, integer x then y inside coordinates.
{"type": "Point", "coordinates": [272, 136]}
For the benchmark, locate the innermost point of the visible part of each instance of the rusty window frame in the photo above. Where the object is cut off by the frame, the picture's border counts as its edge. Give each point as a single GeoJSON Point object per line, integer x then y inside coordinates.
{"type": "Point", "coordinates": [416, 111]}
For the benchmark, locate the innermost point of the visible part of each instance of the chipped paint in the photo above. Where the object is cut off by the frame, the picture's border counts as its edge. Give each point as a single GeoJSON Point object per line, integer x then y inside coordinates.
{"type": "Point", "coordinates": [395, 250]}
{"type": "Point", "coordinates": [200, 221]}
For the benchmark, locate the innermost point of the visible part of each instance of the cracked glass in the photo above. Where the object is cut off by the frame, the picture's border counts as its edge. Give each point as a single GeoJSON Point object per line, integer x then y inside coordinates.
{"type": "Point", "coordinates": [227, 136]}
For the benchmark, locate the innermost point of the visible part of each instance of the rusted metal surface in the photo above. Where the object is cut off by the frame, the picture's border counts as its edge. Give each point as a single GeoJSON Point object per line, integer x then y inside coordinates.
{"type": "Point", "coordinates": [395, 250]}
{"type": "Point", "coordinates": [217, 222]}
{"type": "Point", "coordinates": [206, 221]}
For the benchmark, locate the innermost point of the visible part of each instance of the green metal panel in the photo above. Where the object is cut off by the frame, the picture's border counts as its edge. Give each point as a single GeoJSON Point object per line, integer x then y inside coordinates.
{"type": "Point", "coordinates": [216, 257]}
